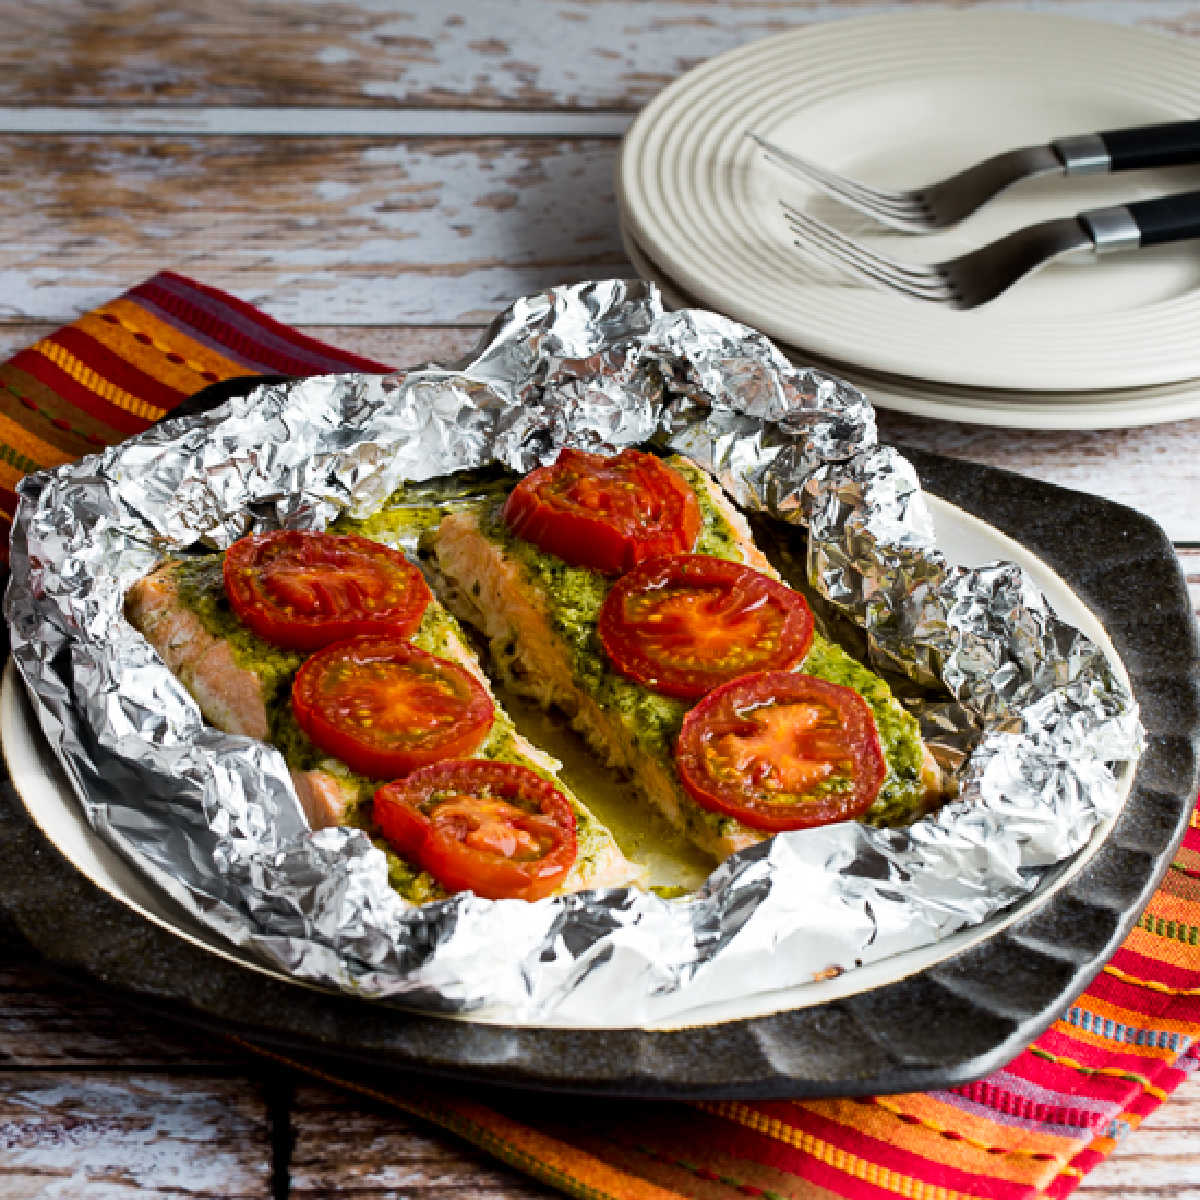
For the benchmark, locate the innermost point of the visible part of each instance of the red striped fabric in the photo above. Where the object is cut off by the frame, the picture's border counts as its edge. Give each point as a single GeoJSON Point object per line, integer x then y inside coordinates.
{"type": "Point", "coordinates": [115, 371]}
{"type": "Point", "coordinates": [1029, 1131]}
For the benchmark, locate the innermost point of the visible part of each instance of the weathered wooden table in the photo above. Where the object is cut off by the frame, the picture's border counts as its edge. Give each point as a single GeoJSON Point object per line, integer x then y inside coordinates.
{"type": "Point", "coordinates": [386, 176]}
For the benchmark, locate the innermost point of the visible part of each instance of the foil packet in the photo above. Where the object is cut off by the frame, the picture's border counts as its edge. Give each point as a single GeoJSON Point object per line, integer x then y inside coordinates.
{"type": "Point", "coordinates": [1044, 730]}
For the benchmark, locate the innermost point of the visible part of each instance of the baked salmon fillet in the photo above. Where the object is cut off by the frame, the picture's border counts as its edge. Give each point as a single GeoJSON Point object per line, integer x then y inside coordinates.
{"type": "Point", "coordinates": [539, 616]}
{"type": "Point", "coordinates": [242, 685]}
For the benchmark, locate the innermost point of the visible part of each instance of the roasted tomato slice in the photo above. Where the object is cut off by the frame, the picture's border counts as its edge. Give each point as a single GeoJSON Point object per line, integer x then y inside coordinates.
{"type": "Point", "coordinates": [386, 708]}
{"type": "Point", "coordinates": [498, 829]}
{"type": "Point", "coordinates": [781, 750]}
{"type": "Point", "coordinates": [607, 513]}
{"type": "Point", "coordinates": [304, 590]}
{"type": "Point", "coordinates": [687, 624]}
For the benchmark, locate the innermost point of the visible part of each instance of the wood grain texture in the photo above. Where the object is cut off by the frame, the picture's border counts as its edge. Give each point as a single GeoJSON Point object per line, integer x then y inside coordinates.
{"type": "Point", "coordinates": [1160, 1159]}
{"type": "Point", "coordinates": [108, 1136]}
{"type": "Point", "coordinates": [90, 1090]}
{"type": "Point", "coordinates": [47, 1022]}
{"type": "Point", "coordinates": [314, 230]}
{"type": "Point", "coordinates": [492, 54]}
{"type": "Point", "coordinates": [345, 1145]}
{"type": "Point", "coordinates": [397, 248]}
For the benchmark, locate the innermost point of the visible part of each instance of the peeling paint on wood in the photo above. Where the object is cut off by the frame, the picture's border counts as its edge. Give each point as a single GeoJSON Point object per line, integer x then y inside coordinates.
{"type": "Point", "coordinates": [1159, 1159]}
{"type": "Point", "coordinates": [397, 247]}
{"type": "Point", "coordinates": [313, 230]}
{"type": "Point", "coordinates": [487, 54]}
{"type": "Point", "coordinates": [310, 121]}
{"type": "Point", "coordinates": [112, 1136]}
{"type": "Point", "coordinates": [402, 347]}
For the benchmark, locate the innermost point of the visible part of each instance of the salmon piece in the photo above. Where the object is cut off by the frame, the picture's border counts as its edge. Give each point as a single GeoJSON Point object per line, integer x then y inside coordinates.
{"type": "Point", "coordinates": [600, 862]}
{"type": "Point", "coordinates": [324, 797]}
{"type": "Point", "coordinates": [490, 590]}
{"type": "Point", "coordinates": [231, 697]}
{"type": "Point", "coordinates": [487, 586]}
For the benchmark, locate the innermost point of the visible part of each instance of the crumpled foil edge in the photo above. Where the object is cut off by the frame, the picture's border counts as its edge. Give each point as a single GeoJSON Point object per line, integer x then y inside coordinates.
{"type": "Point", "coordinates": [212, 818]}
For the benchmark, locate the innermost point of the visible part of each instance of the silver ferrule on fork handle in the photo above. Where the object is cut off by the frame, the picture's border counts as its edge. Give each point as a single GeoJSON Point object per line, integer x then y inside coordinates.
{"type": "Point", "coordinates": [1112, 229]}
{"type": "Point", "coordinates": [1083, 154]}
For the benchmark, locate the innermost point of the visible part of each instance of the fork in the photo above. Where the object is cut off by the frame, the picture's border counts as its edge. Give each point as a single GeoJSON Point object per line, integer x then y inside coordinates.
{"type": "Point", "coordinates": [981, 275]}
{"type": "Point", "coordinates": [950, 200]}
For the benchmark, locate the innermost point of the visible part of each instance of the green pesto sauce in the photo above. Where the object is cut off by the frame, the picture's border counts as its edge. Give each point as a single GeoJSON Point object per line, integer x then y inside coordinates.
{"type": "Point", "coordinates": [438, 632]}
{"type": "Point", "coordinates": [413, 509]}
{"type": "Point", "coordinates": [901, 798]}
{"type": "Point", "coordinates": [716, 537]}
{"type": "Point", "coordinates": [201, 587]}
{"type": "Point", "coordinates": [395, 526]}
{"type": "Point", "coordinates": [576, 595]}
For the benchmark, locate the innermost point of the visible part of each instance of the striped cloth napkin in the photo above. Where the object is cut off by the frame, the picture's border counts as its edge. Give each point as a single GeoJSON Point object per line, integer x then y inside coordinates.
{"type": "Point", "coordinates": [1028, 1131]}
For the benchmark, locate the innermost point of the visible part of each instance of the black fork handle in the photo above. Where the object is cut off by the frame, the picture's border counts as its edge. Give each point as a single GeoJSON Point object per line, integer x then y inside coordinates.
{"type": "Point", "coordinates": [1170, 145]}
{"type": "Point", "coordinates": [1167, 219]}
{"type": "Point", "coordinates": [1144, 222]}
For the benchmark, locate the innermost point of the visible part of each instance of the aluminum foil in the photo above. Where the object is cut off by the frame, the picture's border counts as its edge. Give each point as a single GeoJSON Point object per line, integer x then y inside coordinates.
{"type": "Point", "coordinates": [213, 820]}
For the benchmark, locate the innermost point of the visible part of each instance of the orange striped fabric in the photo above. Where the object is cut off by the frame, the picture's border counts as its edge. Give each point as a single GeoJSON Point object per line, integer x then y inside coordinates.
{"type": "Point", "coordinates": [1030, 1131]}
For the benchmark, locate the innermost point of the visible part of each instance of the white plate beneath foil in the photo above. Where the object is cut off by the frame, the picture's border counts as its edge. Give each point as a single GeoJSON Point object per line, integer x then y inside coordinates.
{"type": "Point", "coordinates": [900, 100]}
{"type": "Point", "coordinates": [1119, 409]}
{"type": "Point", "coordinates": [52, 804]}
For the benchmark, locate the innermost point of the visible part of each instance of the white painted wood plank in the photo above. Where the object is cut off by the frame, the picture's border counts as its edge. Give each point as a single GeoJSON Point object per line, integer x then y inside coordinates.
{"type": "Point", "coordinates": [312, 122]}
{"type": "Point", "coordinates": [1160, 1159]}
{"type": "Point", "coordinates": [19, 334]}
{"type": "Point", "coordinates": [488, 53]}
{"type": "Point", "coordinates": [314, 230]}
{"type": "Point", "coordinates": [402, 346]}
{"type": "Point", "coordinates": [112, 1137]}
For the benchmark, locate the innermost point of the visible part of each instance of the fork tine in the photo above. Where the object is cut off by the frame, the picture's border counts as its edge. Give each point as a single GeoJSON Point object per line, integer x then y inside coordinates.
{"type": "Point", "coordinates": [910, 276]}
{"type": "Point", "coordinates": [982, 274]}
{"type": "Point", "coordinates": [900, 203]}
{"type": "Point", "coordinates": [805, 222]}
{"type": "Point", "coordinates": [908, 215]}
{"type": "Point", "coordinates": [908, 210]}
{"type": "Point", "coordinates": [838, 255]}
{"type": "Point", "coordinates": [848, 190]}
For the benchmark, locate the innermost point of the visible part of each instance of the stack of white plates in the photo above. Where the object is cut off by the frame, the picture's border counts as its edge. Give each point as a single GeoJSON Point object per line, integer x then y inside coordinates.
{"type": "Point", "coordinates": [898, 101]}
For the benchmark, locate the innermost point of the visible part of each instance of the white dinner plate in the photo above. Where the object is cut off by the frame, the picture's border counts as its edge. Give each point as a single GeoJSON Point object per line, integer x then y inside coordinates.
{"type": "Point", "coordinates": [1119, 409]}
{"type": "Point", "coordinates": [900, 100]}
{"type": "Point", "coordinates": [48, 796]}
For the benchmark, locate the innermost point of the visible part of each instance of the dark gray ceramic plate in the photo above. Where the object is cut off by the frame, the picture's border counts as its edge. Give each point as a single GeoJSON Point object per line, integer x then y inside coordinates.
{"type": "Point", "coordinates": [946, 1024]}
